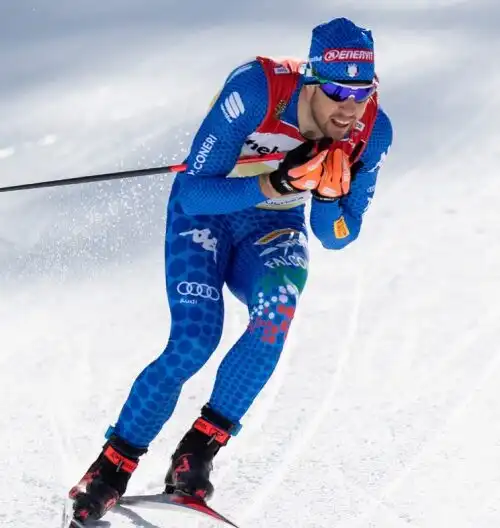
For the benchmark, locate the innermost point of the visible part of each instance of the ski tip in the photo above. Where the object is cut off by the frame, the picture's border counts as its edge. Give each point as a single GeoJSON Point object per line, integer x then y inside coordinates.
{"type": "Point", "coordinates": [181, 500]}
{"type": "Point", "coordinates": [68, 521]}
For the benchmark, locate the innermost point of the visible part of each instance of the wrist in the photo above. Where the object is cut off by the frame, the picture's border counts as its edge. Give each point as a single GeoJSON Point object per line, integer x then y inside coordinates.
{"type": "Point", "coordinates": [266, 187]}
{"type": "Point", "coordinates": [320, 198]}
{"type": "Point", "coordinates": [280, 183]}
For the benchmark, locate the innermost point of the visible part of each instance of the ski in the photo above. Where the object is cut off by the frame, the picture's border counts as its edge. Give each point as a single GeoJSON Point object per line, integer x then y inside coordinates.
{"type": "Point", "coordinates": [67, 516]}
{"type": "Point", "coordinates": [175, 501]}
{"type": "Point", "coordinates": [163, 501]}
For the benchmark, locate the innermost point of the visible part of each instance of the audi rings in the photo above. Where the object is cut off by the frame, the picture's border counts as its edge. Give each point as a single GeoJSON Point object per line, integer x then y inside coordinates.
{"type": "Point", "coordinates": [195, 289]}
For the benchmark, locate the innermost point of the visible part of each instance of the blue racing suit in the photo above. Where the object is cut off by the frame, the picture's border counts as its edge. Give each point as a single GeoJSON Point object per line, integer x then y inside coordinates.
{"type": "Point", "coordinates": [219, 231]}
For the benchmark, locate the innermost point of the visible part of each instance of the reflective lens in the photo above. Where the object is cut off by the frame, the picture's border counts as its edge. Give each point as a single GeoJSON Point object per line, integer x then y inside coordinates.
{"type": "Point", "coordinates": [342, 92]}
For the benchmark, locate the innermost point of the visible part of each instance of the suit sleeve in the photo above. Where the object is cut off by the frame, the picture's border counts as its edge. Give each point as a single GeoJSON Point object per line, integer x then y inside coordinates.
{"type": "Point", "coordinates": [237, 112]}
{"type": "Point", "coordinates": [337, 224]}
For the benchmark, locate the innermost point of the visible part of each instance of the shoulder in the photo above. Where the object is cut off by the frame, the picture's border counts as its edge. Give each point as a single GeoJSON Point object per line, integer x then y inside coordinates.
{"type": "Point", "coordinates": [249, 79]}
{"type": "Point", "coordinates": [379, 142]}
{"type": "Point", "coordinates": [244, 89]}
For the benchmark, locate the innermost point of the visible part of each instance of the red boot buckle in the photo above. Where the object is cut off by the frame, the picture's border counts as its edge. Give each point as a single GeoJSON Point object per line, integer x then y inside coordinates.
{"type": "Point", "coordinates": [211, 430]}
{"type": "Point", "coordinates": [119, 460]}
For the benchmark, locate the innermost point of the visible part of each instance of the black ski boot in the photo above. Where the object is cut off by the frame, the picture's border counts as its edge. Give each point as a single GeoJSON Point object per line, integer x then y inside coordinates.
{"type": "Point", "coordinates": [106, 480]}
{"type": "Point", "coordinates": [191, 465]}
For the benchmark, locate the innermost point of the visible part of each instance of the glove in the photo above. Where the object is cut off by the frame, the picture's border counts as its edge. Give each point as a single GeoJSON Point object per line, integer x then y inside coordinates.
{"type": "Point", "coordinates": [301, 168]}
{"type": "Point", "coordinates": [335, 178]}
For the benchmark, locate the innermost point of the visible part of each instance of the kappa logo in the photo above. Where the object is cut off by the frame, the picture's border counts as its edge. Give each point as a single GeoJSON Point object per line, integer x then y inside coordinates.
{"type": "Point", "coordinates": [204, 238]}
{"type": "Point", "coordinates": [232, 107]}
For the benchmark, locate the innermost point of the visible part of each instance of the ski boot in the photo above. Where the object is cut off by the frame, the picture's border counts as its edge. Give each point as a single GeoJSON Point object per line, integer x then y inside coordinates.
{"type": "Point", "coordinates": [189, 472]}
{"type": "Point", "coordinates": [106, 479]}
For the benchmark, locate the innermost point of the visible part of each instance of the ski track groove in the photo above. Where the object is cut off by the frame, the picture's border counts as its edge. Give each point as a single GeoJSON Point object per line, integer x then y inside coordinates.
{"type": "Point", "coordinates": [298, 446]}
{"type": "Point", "coordinates": [254, 426]}
{"type": "Point", "coordinates": [265, 492]}
{"type": "Point", "coordinates": [453, 415]}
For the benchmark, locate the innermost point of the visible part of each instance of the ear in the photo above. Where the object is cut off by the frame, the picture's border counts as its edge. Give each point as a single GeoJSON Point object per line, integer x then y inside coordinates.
{"type": "Point", "coordinates": [310, 90]}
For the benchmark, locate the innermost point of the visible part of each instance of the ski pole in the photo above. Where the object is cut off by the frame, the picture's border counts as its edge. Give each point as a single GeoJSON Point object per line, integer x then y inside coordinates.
{"type": "Point", "coordinates": [131, 174]}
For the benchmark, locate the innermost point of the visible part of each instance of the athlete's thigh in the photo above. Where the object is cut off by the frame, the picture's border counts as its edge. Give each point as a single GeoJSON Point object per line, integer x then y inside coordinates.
{"type": "Point", "coordinates": [272, 260]}
{"type": "Point", "coordinates": [197, 250]}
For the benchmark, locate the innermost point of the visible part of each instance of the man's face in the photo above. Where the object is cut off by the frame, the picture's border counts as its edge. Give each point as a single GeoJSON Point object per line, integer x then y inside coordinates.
{"type": "Point", "coordinates": [335, 119]}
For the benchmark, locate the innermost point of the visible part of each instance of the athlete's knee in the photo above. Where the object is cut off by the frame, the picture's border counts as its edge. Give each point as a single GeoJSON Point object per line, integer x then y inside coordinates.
{"type": "Point", "coordinates": [272, 311]}
{"type": "Point", "coordinates": [272, 308]}
{"type": "Point", "coordinates": [200, 323]}
{"type": "Point", "coordinates": [189, 347]}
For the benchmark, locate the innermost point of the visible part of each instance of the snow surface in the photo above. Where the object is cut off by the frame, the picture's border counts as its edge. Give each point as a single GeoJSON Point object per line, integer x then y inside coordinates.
{"type": "Point", "coordinates": [384, 411]}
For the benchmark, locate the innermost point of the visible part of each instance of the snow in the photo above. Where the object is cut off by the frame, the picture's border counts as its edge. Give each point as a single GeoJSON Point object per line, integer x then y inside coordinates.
{"type": "Point", "coordinates": [384, 409]}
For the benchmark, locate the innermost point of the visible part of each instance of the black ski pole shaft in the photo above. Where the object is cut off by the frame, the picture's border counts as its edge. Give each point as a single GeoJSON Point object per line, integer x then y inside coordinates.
{"type": "Point", "coordinates": [128, 174]}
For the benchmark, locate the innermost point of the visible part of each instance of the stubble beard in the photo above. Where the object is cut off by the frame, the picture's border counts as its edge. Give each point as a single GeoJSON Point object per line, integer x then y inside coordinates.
{"type": "Point", "coordinates": [325, 126]}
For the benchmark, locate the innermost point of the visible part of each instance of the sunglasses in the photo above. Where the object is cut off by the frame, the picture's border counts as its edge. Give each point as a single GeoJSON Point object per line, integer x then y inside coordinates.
{"type": "Point", "coordinates": [341, 92]}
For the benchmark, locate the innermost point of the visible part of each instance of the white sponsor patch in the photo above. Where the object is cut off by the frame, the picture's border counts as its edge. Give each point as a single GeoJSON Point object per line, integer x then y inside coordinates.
{"type": "Point", "coordinates": [202, 155]}
{"type": "Point", "coordinates": [195, 289]}
{"type": "Point", "coordinates": [380, 162]}
{"type": "Point", "coordinates": [232, 107]}
{"type": "Point", "coordinates": [280, 70]}
{"type": "Point", "coordinates": [349, 54]}
{"type": "Point", "coordinates": [295, 261]}
{"type": "Point", "coordinates": [204, 238]}
{"type": "Point", "coordinates": [352, 70]}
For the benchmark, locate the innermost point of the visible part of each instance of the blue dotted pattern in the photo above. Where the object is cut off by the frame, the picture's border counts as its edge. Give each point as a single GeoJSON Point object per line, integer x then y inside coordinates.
{"type": "Point", "coordinates": [238, 111]}
{"type": "Point", "coordinates": [249, 364]}
{"type": "Point", "coordinates": [196, 322]}
{"type": "Point", "coordinates": [355, 204]}
{"type": "Point", "coordinates": [220, 196]}
{"type": "Point", "coordinates": [204, 251]}
{"type": "Point", "coordinates": [197, 316]}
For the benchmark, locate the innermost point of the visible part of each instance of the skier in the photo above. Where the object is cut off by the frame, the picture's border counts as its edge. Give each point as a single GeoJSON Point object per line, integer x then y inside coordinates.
{"type": "Point", "coordinates": [226, 227]}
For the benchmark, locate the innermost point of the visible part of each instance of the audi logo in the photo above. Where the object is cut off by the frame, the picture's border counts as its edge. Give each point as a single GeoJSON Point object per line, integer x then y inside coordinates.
{"type": "Point", "coordinates": [194, 289]}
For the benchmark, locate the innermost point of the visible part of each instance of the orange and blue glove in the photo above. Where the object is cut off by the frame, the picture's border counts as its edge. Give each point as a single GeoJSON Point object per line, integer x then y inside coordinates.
{"type": "Point", "coordinates": [300, 169]}
{"type": "Point", "coordinates": [335, 180]}
{"type": "Point", "coordinates": [313, 166]}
